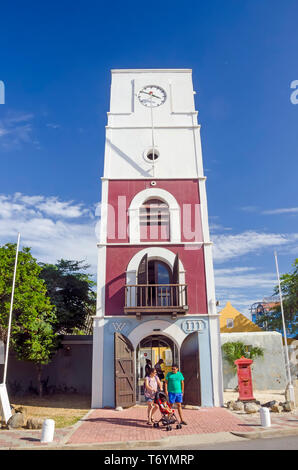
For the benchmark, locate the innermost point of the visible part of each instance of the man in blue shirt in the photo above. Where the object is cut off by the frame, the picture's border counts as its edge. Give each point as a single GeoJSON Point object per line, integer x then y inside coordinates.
{"type": "Point", "coordinates": [174, 388]}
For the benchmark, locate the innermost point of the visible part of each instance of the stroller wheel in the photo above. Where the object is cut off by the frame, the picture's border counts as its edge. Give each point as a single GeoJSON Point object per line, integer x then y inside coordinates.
{"type": "Point", "coordinates": [156, 425]}
{"type": "Point", "coordinates": [179, 426]}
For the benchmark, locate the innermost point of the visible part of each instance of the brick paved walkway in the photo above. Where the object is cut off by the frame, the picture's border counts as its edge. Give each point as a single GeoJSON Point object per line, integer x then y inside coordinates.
{"type": "Point", "coordinates": [130, 425]}
{"type": "Point", "coordinates": [278, 420]}
{"type": "Point", "coordinates": [22, 438]}
{"type": "Point", "coordinates": [103, 426]}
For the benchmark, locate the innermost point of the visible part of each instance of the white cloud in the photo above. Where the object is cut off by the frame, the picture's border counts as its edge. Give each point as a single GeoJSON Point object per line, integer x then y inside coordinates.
{"type": "Point", "coordinates": [236, 270]}
{"type": "Point", "coordinates": [243, 285]}
{"type": "Point", "coordinates": [239, 278]}
{"type": "Point", "coordinates": [286, 210]}
{"type": "Point", "coordinates": [3, 131]}
{"type": "Point", "coordinates": [218, 227]}
{"type": "Point", "coordinates": [28, 200]}
{"type": "Point", "coordinates": [7, 207]}
{"type": "Point", "coordinates": [249, 208]}
{"type": "Point", "coordinates": [242, 298]}
{"type": "Point", "coordinates": [289, 210]}
{"type": "Point", "coordinates": [227, 247]}
{"type": "Point", "coordinates": [16, 129]}
{"type": "Point", "coordinates": [53, 125]}
{"type": "Point", "coordinates": [238, 300]}
{"type": "Point", "coordinates": [51, 206]}
{"type": "Point", "coordinates": [17, 117]}
{"type": "Point", "coordinates": [54, 229]}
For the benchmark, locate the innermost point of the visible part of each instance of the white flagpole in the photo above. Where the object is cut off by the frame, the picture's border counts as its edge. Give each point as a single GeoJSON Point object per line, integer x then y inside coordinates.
{"type": "Point", "coordinates": [291, 388]}
{"type": "Point", "coordinates": [10, 313]}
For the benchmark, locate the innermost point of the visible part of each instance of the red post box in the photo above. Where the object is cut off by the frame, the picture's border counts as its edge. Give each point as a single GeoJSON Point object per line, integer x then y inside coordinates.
{"type": "Point", "coordinates": [244, 379]}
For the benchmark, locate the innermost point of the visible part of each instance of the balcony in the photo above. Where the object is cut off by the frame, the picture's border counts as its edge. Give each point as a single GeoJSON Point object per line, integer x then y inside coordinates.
{"type": "Point", "coordinates": [156, 298]}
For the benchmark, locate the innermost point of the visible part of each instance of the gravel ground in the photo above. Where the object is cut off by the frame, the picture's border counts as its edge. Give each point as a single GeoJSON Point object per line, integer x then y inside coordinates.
{"type": "Point", "coordinates": [262, 396]}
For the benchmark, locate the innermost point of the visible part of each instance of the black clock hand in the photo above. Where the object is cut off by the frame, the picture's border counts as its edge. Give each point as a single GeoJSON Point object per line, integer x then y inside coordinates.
{"type": "Point", "coordinates": [151, 94]}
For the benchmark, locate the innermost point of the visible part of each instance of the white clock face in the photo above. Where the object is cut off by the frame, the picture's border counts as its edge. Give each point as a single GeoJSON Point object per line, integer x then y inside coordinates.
{"type": "Point", "coordinates": [152, 96]}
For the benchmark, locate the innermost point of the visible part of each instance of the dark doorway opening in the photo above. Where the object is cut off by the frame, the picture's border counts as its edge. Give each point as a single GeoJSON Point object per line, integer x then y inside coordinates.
{"type": "Point", "coordinates": [154, 347]}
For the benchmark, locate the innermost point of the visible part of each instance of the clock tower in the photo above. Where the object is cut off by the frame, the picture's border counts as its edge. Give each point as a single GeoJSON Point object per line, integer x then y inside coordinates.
{"type": "Point", "coordinates": [155, 297]}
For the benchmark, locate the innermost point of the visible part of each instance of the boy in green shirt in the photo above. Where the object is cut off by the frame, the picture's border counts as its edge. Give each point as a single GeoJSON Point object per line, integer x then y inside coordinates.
{"type": "Point", "coordinates": [174, 388]}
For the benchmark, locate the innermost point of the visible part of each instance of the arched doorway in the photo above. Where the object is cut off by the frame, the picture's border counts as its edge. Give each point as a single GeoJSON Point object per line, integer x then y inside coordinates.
{"type": "Point", "coordinates": [157, 288]}
{"type": "Point", "coordinates": [159, 274]}
{"type": "Point", "coordinates": [154, 347]}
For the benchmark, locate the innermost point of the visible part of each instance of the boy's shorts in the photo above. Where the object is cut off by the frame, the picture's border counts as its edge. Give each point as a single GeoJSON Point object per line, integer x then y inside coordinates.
{"type": "Point", "coordinates": [175, 397]}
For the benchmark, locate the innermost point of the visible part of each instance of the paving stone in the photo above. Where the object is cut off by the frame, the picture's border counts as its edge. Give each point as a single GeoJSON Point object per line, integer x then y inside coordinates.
{"type": "Point", "coordinates": [104, 426]}
{"type": "Point", "coordinates": [111, 426]}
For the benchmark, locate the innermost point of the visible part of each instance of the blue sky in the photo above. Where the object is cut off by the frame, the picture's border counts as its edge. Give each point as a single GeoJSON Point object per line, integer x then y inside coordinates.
{"type": "Point", "coordinates": [55, 62]}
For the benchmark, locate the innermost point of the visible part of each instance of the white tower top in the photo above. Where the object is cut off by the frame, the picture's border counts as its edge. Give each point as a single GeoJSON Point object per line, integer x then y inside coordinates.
{"type": "Point", "coordinates": [152, 111]}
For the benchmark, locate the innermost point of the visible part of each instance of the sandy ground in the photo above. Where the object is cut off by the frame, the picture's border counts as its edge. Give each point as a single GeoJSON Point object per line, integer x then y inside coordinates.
{"type": "Point", "coordinates": [262, 396]}
{"type": "Point", "coordinates": [65, 409]}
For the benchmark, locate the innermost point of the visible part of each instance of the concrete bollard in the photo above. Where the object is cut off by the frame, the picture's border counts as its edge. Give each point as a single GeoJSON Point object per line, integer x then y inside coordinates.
{"type": "Point", "coordinates": [265, 417]}
{"type": "Point", "coordinates": [48, 429]}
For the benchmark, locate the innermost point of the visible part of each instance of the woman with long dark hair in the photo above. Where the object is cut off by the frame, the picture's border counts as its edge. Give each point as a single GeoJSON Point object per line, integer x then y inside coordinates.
{"type": "Point", "coordinates": [151, 385]}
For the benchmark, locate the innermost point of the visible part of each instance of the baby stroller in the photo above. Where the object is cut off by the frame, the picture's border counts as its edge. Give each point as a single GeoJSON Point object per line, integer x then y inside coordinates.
{"type": "Point", "coordinates": [167, 414]}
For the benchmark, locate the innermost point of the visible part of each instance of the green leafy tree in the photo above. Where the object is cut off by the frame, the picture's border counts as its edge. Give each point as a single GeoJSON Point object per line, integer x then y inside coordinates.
{"type": "Point", "coordinates": [70, 289]}
{"type": "Point", "coordinates": [272, 320]}
{"type": "Point", "coordinates": [289, 290]}
{"type": "Point", "coordinates": [32, 330]}
{"type": "Point", "coordinates": [234, 350]}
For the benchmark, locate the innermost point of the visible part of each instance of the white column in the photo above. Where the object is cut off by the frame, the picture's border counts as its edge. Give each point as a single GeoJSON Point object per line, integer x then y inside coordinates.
{"type": "Point", "coordinates": [101, 281]}
{"type": "Point", "coordinates": [97, 363]}
{"type": "Point", "coordinates": [98, 320]}
{"type": "Point", "coordinates": [216, 360]}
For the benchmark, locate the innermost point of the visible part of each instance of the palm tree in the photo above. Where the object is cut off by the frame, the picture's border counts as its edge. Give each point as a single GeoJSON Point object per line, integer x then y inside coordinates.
{"type": "Point", "coordinates": [235, 350]}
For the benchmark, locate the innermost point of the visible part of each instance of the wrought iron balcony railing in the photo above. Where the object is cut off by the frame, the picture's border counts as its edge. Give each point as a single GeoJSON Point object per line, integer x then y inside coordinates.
{"type": "Point", "coordinates": [156, 298]}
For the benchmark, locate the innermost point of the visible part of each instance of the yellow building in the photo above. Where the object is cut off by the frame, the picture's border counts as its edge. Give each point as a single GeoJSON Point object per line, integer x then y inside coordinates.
{"type": "Point", "coordinates": [232, 321]}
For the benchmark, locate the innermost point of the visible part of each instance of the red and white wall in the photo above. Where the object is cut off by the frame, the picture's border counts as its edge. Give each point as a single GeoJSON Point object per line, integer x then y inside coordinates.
{"type": "Point", "coordinates": [130, 180]}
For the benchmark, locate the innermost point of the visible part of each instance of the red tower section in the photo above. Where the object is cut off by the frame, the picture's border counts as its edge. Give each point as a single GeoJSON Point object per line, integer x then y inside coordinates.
{"type": "Point", "coordinates": [167, 292]}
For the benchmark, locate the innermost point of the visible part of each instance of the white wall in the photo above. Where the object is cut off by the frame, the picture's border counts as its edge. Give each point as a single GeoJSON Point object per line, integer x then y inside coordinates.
{"type": "Point", "coordinates": [268, 373]}
{"type": "Point", "coordinates": [176, 129]}
{"type": "Point", "coordinates": [293, 358]}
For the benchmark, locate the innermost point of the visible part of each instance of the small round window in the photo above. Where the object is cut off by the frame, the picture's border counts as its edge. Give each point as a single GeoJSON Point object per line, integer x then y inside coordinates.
{"type": "Point", "coordinates": [151, 155]}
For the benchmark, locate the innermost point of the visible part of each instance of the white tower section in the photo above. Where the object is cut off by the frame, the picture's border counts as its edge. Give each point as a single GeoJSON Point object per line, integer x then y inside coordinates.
{"type": "Point", "coordinates": [175, 127]}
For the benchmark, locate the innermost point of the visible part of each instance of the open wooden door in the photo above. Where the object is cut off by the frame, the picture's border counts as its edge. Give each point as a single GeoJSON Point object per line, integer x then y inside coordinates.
{"type": "Point", "coordinates": [142, 279]}
{"type": "Point", "coordinates": [125, 387]}
{"type": "Point", "coordinates": [175, 280]}
{"type": "Point", "coordinates": [190, 368]}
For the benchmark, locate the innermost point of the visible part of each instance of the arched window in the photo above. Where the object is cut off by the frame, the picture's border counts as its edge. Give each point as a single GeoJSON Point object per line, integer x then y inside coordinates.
{"type": "Point", "coordinates": [154, 221]}
{"type": "Point", "coordinates": [166, 205]}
